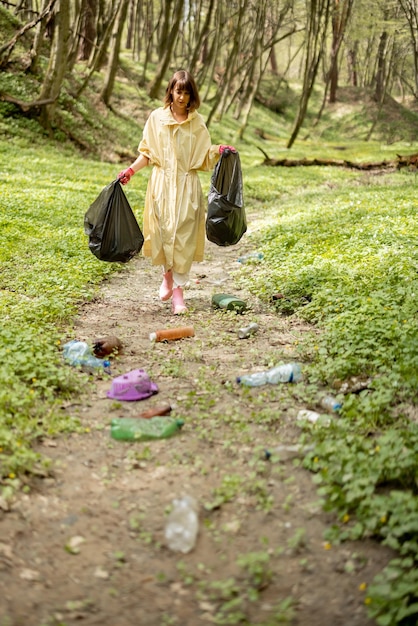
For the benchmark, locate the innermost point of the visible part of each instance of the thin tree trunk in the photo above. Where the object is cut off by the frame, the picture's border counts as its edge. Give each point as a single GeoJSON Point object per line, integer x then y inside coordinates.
{"type": "Point", "coordinates": [88, 29]}
{"type": "Point", "coordinates": [100, 53]}
{"type": "Point", "coordinates": [202, 37]}
{"type": "Point", "coordinates": [57, 65]}
{"type": "Point", "coordinates": [317, 31]}
{"type": "Point", "coordinates": [167, 46]}
{"type": "Point", "coordinates": [113, 61]}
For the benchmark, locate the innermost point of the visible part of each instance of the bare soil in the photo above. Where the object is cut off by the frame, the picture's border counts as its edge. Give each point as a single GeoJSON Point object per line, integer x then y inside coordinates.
{"type": "Point", "coordinates": [86, 545]}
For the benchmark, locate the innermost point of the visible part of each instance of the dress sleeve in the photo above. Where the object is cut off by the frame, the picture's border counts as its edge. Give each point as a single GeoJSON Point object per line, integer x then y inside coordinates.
{"type": "Point", "coordinates": [148, 144]}
{"type": "Point", "coordinates": [208, 153]}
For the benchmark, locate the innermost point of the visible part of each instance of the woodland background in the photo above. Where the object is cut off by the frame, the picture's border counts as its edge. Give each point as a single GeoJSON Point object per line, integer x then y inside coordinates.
{"type": "Point", "coordinates": [240, 52]}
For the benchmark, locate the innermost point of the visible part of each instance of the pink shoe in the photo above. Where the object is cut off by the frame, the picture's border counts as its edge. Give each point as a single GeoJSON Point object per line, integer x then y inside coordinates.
{"type": "Point", "coordinates": [178, 305]}
{"type": "Point", "coordinates": [166, 289]}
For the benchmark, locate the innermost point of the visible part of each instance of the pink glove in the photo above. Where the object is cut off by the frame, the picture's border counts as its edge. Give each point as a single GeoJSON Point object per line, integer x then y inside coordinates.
{"type": "Point", "coordinates": [125, 175]}
{"type": "Point", "coordinates": [229, 148]}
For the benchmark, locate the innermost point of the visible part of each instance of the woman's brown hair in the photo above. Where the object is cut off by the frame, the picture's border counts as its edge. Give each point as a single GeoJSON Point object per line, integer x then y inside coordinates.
{"type": "Point", "coordinates": [182, 79]}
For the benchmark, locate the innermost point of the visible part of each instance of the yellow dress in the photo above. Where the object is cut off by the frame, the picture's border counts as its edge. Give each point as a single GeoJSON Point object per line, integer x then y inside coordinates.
{"type": "Point", "coordinates": [174, 214]}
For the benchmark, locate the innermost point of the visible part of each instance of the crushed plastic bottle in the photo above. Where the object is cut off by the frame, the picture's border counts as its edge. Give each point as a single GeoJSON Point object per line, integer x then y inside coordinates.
{"type": "Point", "coordinates": [288, 373]}
{"type": "Point", "coordinates": [143, 429]}
{"type": "Point", "coordinates": [329, 403]}
{"type": "Point", "coordinates": [79, 353]}
{"type": "Point", "coordinates": [182, 525]}
{"type": "Point", "coordinates": [257, 256]}
{"type": "Point", "coordinates": [244, 333]}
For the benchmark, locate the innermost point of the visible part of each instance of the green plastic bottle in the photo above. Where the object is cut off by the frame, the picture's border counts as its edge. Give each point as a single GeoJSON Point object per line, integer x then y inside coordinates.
{"type": "Point", "coordinates": [228, 302]}
{"type": "Point", "coordinates": [141, 429]}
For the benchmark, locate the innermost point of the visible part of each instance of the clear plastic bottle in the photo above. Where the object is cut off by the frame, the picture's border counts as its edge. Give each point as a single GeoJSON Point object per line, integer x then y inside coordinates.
{"type": "Point", "coordinates": [329, 403]}
{"type": "Point", "coordinates": [144, 429]}
{"type": "Point", "coordinates": [79, 353]}
{"type": "Point", "coordinates": [288, 373]}
{"type": "Point", "coordinates": [252, 255]}
{"type": "Point", "coordinates": [244, 333]}
{"type": "Point", "coordinates": [182, 525]}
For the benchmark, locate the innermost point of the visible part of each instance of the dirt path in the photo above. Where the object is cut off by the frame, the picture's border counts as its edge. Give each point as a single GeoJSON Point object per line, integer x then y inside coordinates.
{"type": "Point", "coordinates": [86, 546]}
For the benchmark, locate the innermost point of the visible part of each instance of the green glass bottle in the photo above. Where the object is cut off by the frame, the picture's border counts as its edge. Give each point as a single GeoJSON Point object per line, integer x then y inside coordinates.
{"type": "Point", "coordinates": [229, 302]}
{"type": "Point", "coordinates": [141, 429]}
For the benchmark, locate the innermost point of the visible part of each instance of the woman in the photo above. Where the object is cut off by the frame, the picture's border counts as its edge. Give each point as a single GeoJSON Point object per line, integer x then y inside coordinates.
{"type": "Point", "coordinates": [177, 144]}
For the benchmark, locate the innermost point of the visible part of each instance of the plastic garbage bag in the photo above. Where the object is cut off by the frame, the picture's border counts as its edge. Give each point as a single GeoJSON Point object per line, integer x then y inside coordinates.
{"type": "Point", "coordinates": [226, 220]}
{"type": "Point", "coordinates": [114, 234]}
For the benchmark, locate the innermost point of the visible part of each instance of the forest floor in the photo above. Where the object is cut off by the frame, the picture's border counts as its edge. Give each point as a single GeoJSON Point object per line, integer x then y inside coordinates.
{"type": "Point", "coordinates": [86, 545]}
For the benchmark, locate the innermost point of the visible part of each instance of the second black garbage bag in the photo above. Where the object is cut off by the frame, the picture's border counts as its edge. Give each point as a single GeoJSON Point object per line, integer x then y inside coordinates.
{"type": "Point", "coordinates": [226, 221]}
{"type": "Point", "coordinates": [114, 234]}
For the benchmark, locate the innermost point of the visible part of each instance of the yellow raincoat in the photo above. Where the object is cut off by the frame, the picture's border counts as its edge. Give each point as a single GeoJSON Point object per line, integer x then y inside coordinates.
{"type": "Point", "coordinates": [174, 215]}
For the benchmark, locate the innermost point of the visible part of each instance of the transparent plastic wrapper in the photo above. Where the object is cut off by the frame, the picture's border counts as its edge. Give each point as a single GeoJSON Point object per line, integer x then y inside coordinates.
{"type": "Point", "coordinates": [114, 234]}
{"type": "Point", "coordinates": [226, 221]}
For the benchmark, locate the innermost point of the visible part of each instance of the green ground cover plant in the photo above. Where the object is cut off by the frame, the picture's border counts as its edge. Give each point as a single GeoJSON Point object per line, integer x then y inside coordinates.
{"type": "Point", "coordinates": [47, 270]}
{"type": "Point", "coordinates": [343, 253]}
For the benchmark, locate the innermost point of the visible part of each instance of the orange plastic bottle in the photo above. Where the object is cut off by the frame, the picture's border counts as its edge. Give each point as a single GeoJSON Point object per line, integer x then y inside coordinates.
{"type": "Point", "coordinates": [168, 334]}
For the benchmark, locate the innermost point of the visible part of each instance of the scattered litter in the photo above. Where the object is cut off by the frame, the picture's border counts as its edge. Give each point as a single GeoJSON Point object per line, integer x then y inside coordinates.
{"type": "Point", "coordinates": [78, 353]}
{"type": "Point", "coordinates": [244, 333]}
{"type": "Point", "coordinates": [170, 334]}
{"type": "Point", "coordinates": [135, 385]}
{"type": "Point", "coordinates": [288, 373]}
{"type": "Point", "coordinates": [182, 525]}
{"type": "Point", "coordinates": [162, 409]}
{"type": "Point", "coordinates": [329, 403]}
{"type": "Point", "coordinates": [252, 256]}
{"type": "Point", "coordinates": [74, 543]}
{"type": "Point", "coordinates": [138, 429]}
{"type": "Point", "coordinates": [228, 302]}
{"type": "Point", "coordinates": [312, 416]}
{"type": "Point", "coordinates": [107, 345]}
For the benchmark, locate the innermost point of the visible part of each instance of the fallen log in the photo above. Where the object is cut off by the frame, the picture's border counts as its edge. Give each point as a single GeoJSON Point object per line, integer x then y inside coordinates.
{"type": "Point", "coordinates": [410, 161]}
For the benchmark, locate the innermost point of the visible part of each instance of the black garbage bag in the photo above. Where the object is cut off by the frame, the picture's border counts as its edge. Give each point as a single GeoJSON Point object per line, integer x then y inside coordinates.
{"type": "Point", "coordinates": [226, 221]}
{"type": "Point", "coordinates": [114, 234]}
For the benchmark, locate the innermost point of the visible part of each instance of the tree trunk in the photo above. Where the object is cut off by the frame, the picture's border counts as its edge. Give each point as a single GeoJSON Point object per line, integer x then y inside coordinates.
{"type": "Point", "coordinates": [167, 48]}
{"type": "Point", "coordinates": [318, 19]}
{"type": "Point", "coordinates": [113, 61]}
{"type": "Point", "coordinates": [131, 25]}
{"type": "Point", "coordinates": [201, 39]}
{"type": "Point", "coordinates": [88, 29]}
{"type": "Point", "coordinates": [57, 65]}
{"type": "Point", "coordinates": [410, 10]}
{"type": "Point", "coordinates": [381, 67]}
{"type": "Point", "coordinates": [352, 65]}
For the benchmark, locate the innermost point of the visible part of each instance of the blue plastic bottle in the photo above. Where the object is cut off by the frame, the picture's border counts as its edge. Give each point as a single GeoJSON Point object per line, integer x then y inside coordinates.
{"type": "Point", "coordinates": [79, 353]}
